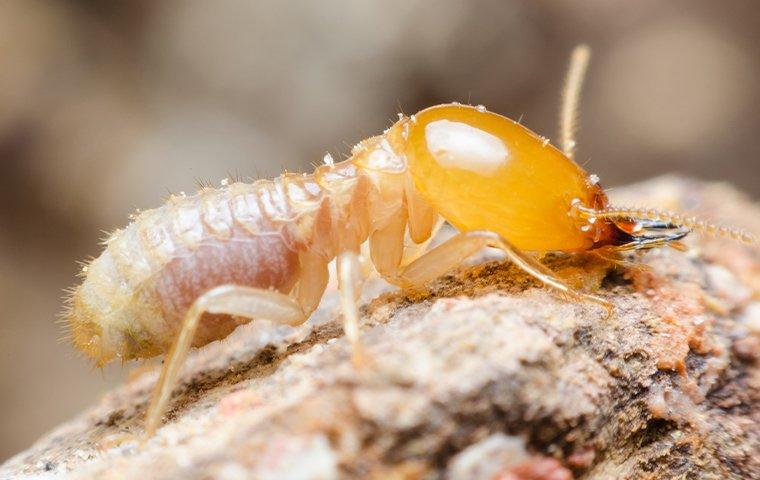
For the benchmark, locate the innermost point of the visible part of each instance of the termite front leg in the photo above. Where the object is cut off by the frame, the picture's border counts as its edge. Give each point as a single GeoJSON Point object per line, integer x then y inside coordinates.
{"type": "Point", "coordinates": [244, 302]}
{"type": "Point", "coordinates": [442, 258]}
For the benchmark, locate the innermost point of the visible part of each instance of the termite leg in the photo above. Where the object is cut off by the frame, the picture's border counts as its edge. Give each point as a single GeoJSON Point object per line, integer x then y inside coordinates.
{"type": "Point", "coordinates": [608, 255]}
{"type": "Point", "coordinates": [413, 252]}
{"type": "Point", "coordinates": [312, 281]}
{"type": "Point", "coordinates": [422, 216]}
{"type": "Point", "coordinates": [386, 246]}
{"type": "Point", "coordinates": [244, 302]}
{"type": "Point", "coordinates": [423, 221]}
{"type": "Point", "coordinates": [350, 281]}
{"type": "Point", "coordinates": [440, 259]}
{"type": "Point", "coordinates": [365, 261]}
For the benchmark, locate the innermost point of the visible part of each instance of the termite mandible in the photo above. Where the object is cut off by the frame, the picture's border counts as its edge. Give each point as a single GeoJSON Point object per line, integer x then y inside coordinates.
{"type": "Point", "coordinates": [189, 272]}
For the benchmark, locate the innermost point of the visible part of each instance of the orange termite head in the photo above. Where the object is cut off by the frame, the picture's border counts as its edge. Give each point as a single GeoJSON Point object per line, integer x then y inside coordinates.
{"type": "Point", "coordinates": [483, 171]}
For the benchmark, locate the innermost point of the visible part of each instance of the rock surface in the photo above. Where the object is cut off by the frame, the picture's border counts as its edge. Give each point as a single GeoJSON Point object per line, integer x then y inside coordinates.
{"type": "Point", "coordinates": [486, 376]}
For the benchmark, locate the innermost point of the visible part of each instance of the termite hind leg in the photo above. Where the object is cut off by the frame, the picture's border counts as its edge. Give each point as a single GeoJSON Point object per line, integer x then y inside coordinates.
{"type": "Point", "coordinates": [451, 253]}
{"type": "Point", "coordinates": [226, 299]}
{"type": "Point", "coordinates": [350, 281]}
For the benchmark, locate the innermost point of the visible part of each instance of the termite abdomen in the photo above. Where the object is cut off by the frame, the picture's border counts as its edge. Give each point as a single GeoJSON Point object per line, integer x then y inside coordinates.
{"type": "Point", "coordinates": [135, 294]}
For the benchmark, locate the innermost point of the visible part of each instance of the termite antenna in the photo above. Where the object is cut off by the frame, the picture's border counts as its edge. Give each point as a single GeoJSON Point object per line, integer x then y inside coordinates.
{"type": "Point", "coordinates": [571, 95]}
{"type": "Point", "coordinates": [676, 219]}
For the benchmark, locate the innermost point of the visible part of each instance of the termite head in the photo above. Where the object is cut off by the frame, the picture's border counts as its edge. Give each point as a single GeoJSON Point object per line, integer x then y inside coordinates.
{"type": "Point", "coordinates": [483, 171]}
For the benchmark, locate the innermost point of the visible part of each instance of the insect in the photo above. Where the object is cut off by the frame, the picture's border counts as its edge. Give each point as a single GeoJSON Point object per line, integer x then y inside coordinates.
{"type": "Point", "coordinates": [191, 271]}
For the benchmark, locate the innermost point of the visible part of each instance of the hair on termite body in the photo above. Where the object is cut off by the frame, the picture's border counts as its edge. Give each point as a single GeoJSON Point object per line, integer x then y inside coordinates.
{"type": "Point", "coordinates": [191, 271]}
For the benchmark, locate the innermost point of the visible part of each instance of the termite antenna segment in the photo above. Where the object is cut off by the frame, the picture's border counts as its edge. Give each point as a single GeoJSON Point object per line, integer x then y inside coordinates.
{"type": "Point", "coordinates": [571, 94]}
{"type": "Point", "coordinates": [679, 220]}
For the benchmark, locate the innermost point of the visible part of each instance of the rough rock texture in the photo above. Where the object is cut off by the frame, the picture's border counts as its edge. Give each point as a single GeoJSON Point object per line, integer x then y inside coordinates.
{"type": "Point", "coordinates": [486, 376]}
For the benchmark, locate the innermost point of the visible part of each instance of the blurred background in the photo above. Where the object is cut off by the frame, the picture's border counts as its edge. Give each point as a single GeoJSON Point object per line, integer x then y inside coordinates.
{"type": "Point", "coordinates": [107, 106]}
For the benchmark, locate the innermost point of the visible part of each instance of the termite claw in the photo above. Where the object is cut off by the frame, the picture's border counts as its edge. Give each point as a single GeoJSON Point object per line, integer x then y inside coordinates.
{"type": "Point", "coordinates": [608, 306]}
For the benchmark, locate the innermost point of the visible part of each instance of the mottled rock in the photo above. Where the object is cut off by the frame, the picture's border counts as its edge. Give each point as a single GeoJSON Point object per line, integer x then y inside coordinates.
{"type": "Point", "coordinates": [485, 376]}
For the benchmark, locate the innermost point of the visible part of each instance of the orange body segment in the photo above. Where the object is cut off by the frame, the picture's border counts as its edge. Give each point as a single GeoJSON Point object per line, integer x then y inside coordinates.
{"type": "Point", "coordinates": [483, 171]}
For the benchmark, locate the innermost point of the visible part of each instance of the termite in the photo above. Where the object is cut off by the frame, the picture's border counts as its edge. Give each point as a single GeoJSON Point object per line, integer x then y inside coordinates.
{"type": "Point", "coordinates": [191, 271]}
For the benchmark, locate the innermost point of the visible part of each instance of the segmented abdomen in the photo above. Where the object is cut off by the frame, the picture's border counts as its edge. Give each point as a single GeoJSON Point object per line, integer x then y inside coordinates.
{"type": "Point", "coordinates": [135, 294]}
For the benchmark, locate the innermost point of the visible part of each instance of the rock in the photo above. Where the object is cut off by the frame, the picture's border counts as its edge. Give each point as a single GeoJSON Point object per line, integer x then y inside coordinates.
{"type": "Point", "coordinates": [485, 376]}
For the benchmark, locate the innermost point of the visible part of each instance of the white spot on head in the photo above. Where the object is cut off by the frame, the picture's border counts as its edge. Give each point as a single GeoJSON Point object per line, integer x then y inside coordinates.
{"type": "Point", "coordinates": [593, 179]}
{"type": "Point", "coordinates": [458, 145]}
{"type": "Point", "coordinates": [328, 160]}
{"type": "Point", "coordinates": [481, 108]}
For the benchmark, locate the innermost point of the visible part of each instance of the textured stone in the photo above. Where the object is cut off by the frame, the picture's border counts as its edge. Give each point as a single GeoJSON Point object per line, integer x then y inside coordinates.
{"type": "Point", "coordinates": [486, 361]}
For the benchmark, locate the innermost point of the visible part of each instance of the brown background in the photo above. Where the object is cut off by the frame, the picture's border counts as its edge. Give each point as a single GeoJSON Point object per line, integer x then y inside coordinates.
{"type": "Point", "coordinates": [107, 107]}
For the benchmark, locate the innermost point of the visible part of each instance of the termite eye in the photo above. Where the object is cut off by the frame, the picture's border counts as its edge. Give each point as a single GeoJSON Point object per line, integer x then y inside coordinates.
{"type": "Point", "coordinates": [462, 146]}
